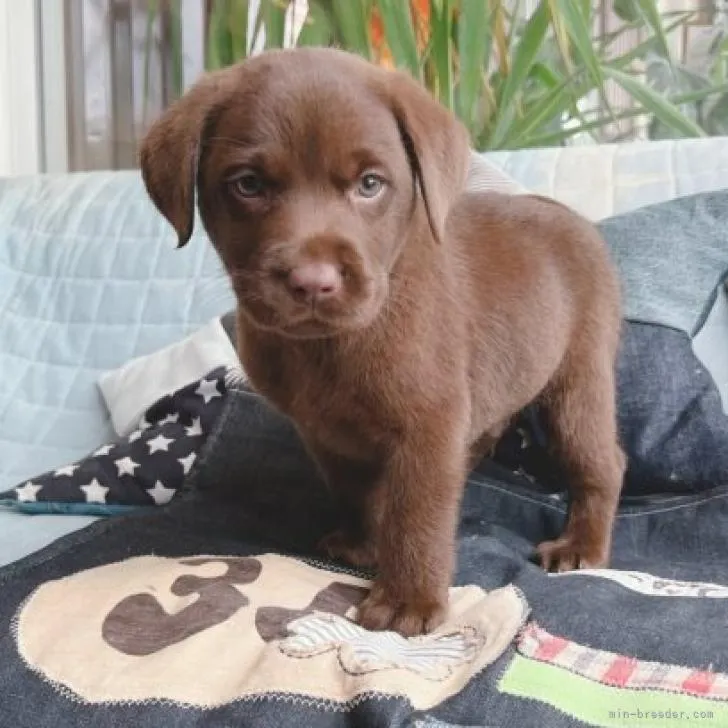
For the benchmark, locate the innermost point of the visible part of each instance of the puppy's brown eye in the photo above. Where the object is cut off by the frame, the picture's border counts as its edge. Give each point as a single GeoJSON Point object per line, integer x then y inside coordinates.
{"type": "Point", "coordinates": [370, 185]}
{"type": "Point", "coordinates": [248, 185]}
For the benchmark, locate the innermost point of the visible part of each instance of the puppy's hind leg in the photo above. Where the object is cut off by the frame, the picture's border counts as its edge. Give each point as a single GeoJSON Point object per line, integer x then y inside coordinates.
{"type": "Point", "coordinates": [581, 411]}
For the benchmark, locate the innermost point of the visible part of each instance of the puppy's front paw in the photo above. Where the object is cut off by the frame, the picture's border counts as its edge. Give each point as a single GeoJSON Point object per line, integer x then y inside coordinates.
{"type": "Point", "coordinates": [410, 616]}
{"type": "Point", "coordinates": [567, 553]}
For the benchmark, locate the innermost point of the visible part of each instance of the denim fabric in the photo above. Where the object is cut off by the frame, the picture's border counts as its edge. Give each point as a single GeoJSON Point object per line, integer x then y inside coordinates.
{"type": "Point", "coordinates": [671, 416]}
{"type": "Point", "coordinates": [255, 491]}
{"type": "Point", "coordinates": [671, 258]}
{"type": "Point", "coordinates": [672, 424]}
{"type": "Point", "coordinates": [709, 344]}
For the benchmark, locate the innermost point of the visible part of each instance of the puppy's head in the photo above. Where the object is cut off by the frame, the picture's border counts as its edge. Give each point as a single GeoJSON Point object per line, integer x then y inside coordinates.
{"type": "Point", "coordinates": [313, 169]}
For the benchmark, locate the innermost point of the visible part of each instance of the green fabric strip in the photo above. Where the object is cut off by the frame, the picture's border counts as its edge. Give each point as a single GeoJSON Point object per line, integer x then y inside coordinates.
{"type": "Point", "coordinates": [603, 705]}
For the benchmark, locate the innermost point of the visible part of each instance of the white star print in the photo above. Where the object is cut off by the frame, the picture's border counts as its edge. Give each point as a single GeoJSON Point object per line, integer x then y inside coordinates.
{"type": "Point", "coordinates": [170, 419]}
{"type": "Point", "coordinates": [104, 450]}
{"type": "Point", "coordinates": [187, 462]}
{"type": "Point", "coordinates": [134, 436]}
{"type": "Point", "coordinates": [66, 470]}
{"type": "Point", "coordinates": [143, 424]}
{"type": "Point", "coordinates": [160, 493]}
{"type": "Point", "coordinates": [208, 390]}
{"type": "Point", "coordinates": [125, 466]}
{"type": "Point", "coordinates": [27, 493]}
{"type": "Point", "coordinates": [194, 429]}
{"type": "Point", "coordinates": [159, 443]}
{"type": "Point", "coordinates": [95, 492]}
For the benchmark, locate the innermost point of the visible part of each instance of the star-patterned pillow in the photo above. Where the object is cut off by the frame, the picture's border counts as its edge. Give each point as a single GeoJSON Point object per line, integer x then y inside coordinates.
{"type": "Point", "coordinates": [146, 468]}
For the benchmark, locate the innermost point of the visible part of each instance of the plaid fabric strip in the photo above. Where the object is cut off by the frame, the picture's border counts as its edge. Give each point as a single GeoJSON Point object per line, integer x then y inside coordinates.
{"type": "Point", "coordinates": [620, 671]}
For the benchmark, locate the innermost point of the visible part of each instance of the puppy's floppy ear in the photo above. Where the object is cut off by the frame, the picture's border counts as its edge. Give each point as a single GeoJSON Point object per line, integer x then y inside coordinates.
{"type": "Point", "coordinates": [436, 142]}
{"type": "Point", "coordinates": [169, 153]}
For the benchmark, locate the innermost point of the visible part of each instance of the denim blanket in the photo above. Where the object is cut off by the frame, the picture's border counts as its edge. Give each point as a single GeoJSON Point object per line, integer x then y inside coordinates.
{"type": "Point", "coordinates": [213, 611]}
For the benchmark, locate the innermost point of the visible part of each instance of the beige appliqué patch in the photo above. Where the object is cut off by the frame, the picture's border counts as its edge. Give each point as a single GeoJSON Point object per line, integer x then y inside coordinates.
{"type": "Point", "coordinates": [209, 630]}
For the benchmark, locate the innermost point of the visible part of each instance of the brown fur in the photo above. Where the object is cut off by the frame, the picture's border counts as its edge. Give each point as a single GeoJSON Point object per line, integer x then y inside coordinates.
{"type": "Point", "coordinates": [454, 311]}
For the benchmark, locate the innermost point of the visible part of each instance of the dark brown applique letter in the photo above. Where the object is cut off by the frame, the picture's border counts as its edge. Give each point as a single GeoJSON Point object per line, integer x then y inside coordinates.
{"type": "Point", "coordinates": [139, 625]}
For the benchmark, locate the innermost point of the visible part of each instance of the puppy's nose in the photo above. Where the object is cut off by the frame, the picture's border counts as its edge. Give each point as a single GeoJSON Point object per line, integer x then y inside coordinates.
{"type": "Point", "coordinates": [315, 281]}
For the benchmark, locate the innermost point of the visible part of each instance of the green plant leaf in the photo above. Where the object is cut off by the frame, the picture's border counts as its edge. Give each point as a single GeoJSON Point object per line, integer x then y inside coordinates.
{"type": "Point", "coordinates": [561, 34]}
{"type": "Point", "coordinates": [317, 28]}
{"type": "Point", "coordinates": [656, 104]}
{"type": "Point", "coordinates": [239, 29]}
{"type": "Point", "coordinates": [524, 56]}
{"type": "Point", "coordinates": [547, 108]}
{"type": "Point", "coordinates": [219, 42]}
{"type": "Point", "coordinates": [175, 42]}
{"type": "Point", "coordinates": [474, 45]}
{"type": "Point", "coordinates": [351, 23]}
{"type": "Point", "coordinates": [650, 12]}
{"type": "Point", "coordinates": [716, 115]}
{"type": "Point", "coordinates": [559, 137]}
{"type": "Point", "coordinates": [400, 33]}
{"type": "Point", "coordinates": [643, 48]}
{"type": "Point", "coordinates": [501, 38]}
{"type": "Point", "coordinates": [440, 53]}
{"type": "Point", "coordinates": [273, 14]}
{"type": "Point", "coordinates": [645, 12]}
{"type": "Point", "coordinates": [578, 27]}
{"type": "Point", "coordinates": [578, 19]}
{"type": "Point", "coordinates": [513, 11]}
{"type": "Point", "coordinates": [701, 94]}
{"type": "Point", "coordinates": [718, 53]}
{"type": "Point", "coordinates": [545, 75]}
{"type": "Point", "coordinates": [524, 100]}
{"type": "Point", "coordinates": [626, 10]}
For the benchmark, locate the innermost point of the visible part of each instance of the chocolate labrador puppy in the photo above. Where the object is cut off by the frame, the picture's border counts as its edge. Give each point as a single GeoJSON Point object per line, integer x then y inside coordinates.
{"type": "Point", "coordinates": [399, 321]}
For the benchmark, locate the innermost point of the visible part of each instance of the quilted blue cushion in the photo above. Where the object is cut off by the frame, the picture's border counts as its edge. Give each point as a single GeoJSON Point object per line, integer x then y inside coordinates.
{"type": "Point", "coordinates": [89, 278]}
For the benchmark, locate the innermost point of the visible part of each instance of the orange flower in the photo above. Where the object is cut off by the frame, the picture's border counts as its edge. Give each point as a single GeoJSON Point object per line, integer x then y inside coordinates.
{"type": "Point", "coordinates": [382, 54]}
{"type": "Point", "coordinates": [420, 10]}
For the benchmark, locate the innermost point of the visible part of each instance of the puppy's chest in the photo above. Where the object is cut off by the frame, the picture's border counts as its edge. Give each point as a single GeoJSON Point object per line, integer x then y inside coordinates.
{"type": "Point", "coordinates": [346, 417]}
{"type": "Point", "coordinates": [334, 405]}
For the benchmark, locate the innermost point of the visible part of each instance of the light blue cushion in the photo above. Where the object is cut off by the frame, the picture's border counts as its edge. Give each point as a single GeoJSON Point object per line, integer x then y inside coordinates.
{"type": "Point", "coordinates": [89, 278]}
